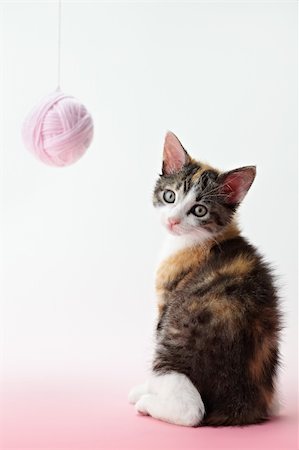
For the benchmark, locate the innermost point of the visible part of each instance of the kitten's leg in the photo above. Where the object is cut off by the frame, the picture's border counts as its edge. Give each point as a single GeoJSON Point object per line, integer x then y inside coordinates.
{"type": "Point", "coordinates": [136, 393]}
{"type": "Point", "coordinates": [173, 398]}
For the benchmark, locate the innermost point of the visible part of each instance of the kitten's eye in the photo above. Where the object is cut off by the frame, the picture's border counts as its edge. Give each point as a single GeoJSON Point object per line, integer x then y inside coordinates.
{"type": "Point", "coordinates": [199, 210]}
{"type": "Point", "coordinates": [169, 196]}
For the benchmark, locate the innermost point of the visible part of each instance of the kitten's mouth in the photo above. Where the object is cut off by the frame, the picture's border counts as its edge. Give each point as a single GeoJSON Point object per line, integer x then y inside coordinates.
{"type": "Point", "coordinates": [174, 229]}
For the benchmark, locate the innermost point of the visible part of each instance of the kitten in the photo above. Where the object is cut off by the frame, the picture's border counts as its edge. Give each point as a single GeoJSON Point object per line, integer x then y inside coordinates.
{"type": "Point", "coordinates": [216, 355]}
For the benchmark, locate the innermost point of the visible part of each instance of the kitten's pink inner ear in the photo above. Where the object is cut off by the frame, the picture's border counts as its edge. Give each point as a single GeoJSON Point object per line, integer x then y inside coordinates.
{"type": "Point", "coordinates": [236, 183]}
{"type": "Point", "coordinates": [174, 155]}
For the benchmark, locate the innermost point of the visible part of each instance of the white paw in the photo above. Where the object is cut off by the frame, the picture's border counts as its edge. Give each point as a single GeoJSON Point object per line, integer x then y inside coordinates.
{"type": "Point", "coordinates": [137, 392]}
{"type": "Point", "coordinates": [172, 398]}
{"type": "Point", "coordinates": [143, 404]}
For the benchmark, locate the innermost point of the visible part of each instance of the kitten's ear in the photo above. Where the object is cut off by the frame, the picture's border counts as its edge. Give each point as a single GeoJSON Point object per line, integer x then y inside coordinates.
{"type": "Point", "coordinates": [174, 155]}
{"type": "Point", "coordinates": [236, 183]}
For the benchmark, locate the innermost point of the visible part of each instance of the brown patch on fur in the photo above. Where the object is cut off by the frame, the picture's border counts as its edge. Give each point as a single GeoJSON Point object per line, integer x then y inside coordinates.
{"type": "Point", "coordinates": [199, 172]}
{"type": "Point", "coordinates": [174, 331]}
{"type": "Point", "coordinates": [262, 355]}
{"type": "Point", "coordinates": [221, 308]}
{"type": "Point", "coordinates": [161, 306]}
{"type": "Point", "coordinates": [172, 266]}
{"type": "Point", "coordinates": [184, 259]}
{"type": "Point", "coordinates": [230, 232]}
{"type": "Point", "coordinates": [193, 306]}
{"type": "Point", "coordinates": [187, 259]}
{"type": "Point", "coordinates": [224, 311]}
{"type": "Point", "coordinates": [239, 266]}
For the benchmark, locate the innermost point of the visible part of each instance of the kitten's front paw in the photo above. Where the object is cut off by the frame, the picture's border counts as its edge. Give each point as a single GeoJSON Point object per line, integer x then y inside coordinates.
{"type": "Point", "coordinates": [143, 403]}
{"type": "Point", "coordinates": [173, 398]}
{"type": "Point", "coordinates": [137, 392]}
{"type": "Point", "coordinates": [170, 410]}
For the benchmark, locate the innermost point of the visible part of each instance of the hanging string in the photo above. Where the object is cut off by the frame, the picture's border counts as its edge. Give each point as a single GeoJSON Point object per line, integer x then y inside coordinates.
{"type": "Point", "coordinates": [59, 45]}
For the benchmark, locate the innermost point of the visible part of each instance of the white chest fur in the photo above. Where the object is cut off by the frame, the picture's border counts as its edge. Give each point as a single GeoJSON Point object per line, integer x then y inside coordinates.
{"type": "Point", "coordinates": [174, 244]}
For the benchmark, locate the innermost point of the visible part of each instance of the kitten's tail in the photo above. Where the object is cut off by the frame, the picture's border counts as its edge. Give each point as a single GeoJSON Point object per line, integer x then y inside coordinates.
{"type": "Point", "coordinates": [218, 419]}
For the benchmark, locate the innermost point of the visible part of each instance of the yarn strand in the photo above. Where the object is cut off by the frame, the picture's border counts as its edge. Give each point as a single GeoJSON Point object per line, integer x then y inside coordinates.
{"type": "Point", "coordinates": [59, 45]}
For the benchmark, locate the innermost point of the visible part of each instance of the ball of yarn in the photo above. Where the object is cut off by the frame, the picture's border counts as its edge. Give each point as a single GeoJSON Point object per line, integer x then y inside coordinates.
{"type": "Point", "coordinates": [58, 130]}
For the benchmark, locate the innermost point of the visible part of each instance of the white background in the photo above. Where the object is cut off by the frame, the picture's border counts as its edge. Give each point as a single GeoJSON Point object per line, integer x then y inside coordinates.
{"type": "Point", "coordinates": [80, 243]}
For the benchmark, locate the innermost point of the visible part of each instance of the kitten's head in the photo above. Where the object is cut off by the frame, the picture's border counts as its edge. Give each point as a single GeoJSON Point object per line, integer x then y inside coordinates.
{"type": "Point", "coordinates": [195, 199]}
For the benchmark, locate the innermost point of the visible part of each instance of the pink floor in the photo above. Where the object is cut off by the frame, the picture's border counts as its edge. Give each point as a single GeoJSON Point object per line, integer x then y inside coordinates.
{"type": "Point", "coordinates": [92, 415]}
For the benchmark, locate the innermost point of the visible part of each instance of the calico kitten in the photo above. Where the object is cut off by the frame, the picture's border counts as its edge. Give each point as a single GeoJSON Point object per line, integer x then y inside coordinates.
{"type": "Point", "coordinates": [216, 354]}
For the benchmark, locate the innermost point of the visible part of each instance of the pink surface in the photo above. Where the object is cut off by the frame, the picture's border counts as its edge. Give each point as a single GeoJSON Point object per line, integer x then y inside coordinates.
{"type": "Point", "coordinates": [90, 415]}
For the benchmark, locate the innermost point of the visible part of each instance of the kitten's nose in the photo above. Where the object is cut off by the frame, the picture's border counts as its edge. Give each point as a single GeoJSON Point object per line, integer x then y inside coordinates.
{"type": "Point", "coordinates": [174, 221]}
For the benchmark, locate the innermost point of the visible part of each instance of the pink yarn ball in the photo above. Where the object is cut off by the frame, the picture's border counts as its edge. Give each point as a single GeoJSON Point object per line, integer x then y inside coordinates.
{"type": "Point", "coordinates": [58, 130]}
